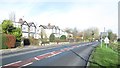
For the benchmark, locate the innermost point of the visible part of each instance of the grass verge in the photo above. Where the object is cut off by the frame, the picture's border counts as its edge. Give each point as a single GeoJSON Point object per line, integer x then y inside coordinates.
{"type": "Point", "coordinates": [105, 56]}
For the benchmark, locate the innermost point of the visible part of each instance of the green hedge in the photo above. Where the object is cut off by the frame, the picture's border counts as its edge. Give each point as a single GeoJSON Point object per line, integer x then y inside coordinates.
{"type": "Point", "coordinates": [52, 38]}
{"type": "Point", "coordinates": [7, 41]}
{"type": "Point", "coordinates": [63, 37]}
{"type": "Point", "coordinates": [3, 39]}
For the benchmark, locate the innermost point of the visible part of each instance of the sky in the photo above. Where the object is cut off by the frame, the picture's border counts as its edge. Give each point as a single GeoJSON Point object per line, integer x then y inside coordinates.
{"type": "Point", "coordinates": [81, 14]}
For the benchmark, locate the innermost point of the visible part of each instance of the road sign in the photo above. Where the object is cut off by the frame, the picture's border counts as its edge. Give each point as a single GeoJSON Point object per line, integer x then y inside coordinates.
{"type": "Point", "coordinates": [106, 40]}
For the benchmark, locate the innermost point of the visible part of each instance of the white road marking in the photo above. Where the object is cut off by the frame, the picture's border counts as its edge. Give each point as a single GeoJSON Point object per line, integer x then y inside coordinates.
{"type": "Point", "coordinates": [12, 63]}
{"type": "Point", "coordinates": [24, 53]}
{"type": "Point", "coordinates": [53, 54]}
{"type": "Point", "coordinates": [27, 64]}
{"type": "Point", "coordinates": [36, 58]}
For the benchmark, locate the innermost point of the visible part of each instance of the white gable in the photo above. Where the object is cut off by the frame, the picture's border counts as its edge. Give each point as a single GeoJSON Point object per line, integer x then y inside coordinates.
{"type": "Point", "coordinates": [24, 28]}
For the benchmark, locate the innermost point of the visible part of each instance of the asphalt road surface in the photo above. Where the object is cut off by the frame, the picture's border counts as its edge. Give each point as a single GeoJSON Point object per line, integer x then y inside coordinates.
{"type": "Point", "coordinates": [65, 55]}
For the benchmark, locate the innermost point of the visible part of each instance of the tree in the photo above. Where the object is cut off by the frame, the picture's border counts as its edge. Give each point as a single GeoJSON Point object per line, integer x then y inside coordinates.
{"type": "Point", "coordinates": [43, 35]}
{"type": "Point", "coordinates": [17, 32]}
{"type": "Point", "coordinates": [52, 38]}
{"type": "Point", "coordinates": [111, 35]}
{"type": "Point", "coordinates": [91, 33]}
{"type": "Point", "coordinates": [75, 32]}
{"type": "Point", "coordinates": [68, 30]}
{"type": "Point", "coordinates": [63, 37]}
{"type": "Point", "coordinates": [8, 28]}
{"type": "Point", "coordinates": [6, 24]}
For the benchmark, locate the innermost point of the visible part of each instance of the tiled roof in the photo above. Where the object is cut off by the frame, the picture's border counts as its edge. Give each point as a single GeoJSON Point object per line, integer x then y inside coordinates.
{"type": "Point", "coordinates": [50, 27]}
{"type": "Point", "coordinates": [25, 23]}
{"type": "Point", "coordinates": [45, 27]}
{"type": "Point", "coordinates": [32, 24]}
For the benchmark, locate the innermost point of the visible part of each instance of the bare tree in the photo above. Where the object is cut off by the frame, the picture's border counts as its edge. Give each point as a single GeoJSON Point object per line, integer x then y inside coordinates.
{"type": "Point", "coordinates": [12, 16]}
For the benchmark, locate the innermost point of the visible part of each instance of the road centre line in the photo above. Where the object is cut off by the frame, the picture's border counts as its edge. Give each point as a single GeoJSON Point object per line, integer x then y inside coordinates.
{"type": "Point", "coordinates": [13, 63]}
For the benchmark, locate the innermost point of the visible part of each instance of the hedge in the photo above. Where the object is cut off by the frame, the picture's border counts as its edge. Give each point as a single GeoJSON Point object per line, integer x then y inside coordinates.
{"type": "Point", "coordinates": [11, 40]}
{"type": "Point", "coordinates": [8, 41]}
{"type": "Point", "coordinates": [63, 37]}
{"type": "Point", "coordinates": [2, 41]}
{"type": "Point", "coordinates": [52, 38]}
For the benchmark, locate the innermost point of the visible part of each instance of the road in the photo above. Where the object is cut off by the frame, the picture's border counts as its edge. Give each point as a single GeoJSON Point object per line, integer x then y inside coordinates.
{"type": "Point", "coordinates": [65, 55]}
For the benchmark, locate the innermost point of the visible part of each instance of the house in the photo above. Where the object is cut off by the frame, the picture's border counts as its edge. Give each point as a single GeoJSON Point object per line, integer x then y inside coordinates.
{"type": "Point", "coordinates": [18, 24]}
{"type": "Point", "coordinates": [32, 29]}
{"type": "Point", "coordinates": [49, 29]}
{"type": "Point", "coordinates": [24, 26]}
{"type": "Point", "coordinates": [25, 29]}
{"type": "Point", "coordinates": [38, 31]}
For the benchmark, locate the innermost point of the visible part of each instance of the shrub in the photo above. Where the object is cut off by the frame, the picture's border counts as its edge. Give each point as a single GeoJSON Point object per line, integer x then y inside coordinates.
{"type": "Point", "coordinates": [52, 38]}
{"type": "Point", "coordinates": [63, 37]}
{"type": "Point", "coordinates": [34, 41]}
{"type": "Point", "coordinates": [11, 40]}
{"type": "Point", "coordinates": [2, 41]}
{"type": "Point", "coordinates": [17, 32]}
{"type": "Point", "coordinates": [7, 41]}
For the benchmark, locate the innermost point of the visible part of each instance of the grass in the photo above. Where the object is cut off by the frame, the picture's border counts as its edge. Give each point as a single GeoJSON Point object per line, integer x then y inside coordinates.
{"type": "Point", "coordinates": [105, 56]}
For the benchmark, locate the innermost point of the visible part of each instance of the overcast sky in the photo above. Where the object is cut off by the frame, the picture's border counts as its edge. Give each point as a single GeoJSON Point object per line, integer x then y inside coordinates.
{"type": "Point", "coordinates": [81, 14]}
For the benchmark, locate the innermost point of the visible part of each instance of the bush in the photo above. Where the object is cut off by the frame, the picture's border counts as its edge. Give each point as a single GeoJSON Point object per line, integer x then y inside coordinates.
{"type": "Point", "coordinates": [11, 40]}
{"type": "Point", "coordinates": [52, 38]}
{"type": "Point", "coordinates": [2, 41]}
{"type": "Point", "coordinates": [63, 37]}
{"type": "Point", "coordinates": [34, 41]}
{"type": "Point", "coordinates": [7, 41]}
{"type": "Point", "coordinates": [17, 32]}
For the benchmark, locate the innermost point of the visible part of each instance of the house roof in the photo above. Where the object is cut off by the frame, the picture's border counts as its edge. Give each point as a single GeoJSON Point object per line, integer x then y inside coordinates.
{"type": "Point", "coordinates": [32, 24]}
{"type": "Point", "coordinates": [25, 23]}
{"type": "Point", "coordinates": [49, 27]}
{"type": "Point", "coordinates": [45, 27]}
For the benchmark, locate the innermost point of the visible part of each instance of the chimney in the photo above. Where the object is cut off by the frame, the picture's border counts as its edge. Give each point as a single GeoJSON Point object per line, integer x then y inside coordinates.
{"type": "Point", "coordinates": [20, 20]}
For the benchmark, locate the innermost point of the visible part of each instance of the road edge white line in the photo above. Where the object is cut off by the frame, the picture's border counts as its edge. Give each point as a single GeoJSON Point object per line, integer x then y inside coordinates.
{"type": "Point", "coordinates": [12, 63]}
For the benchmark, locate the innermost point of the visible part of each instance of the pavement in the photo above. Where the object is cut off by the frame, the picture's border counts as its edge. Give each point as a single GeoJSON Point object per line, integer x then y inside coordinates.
{"type": "Point", "coordinates": [64, 55]}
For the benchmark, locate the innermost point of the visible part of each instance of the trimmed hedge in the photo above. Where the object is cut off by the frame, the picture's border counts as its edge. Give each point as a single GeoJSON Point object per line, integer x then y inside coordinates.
{"type": "Point", "coordinates": [52, 38]}
{"type": "Point", "coordinates": [11, 40]}
{"type": "Point", "coordinates": [8, 41]}
{"type": "Point", "coordinates": [2, 41]}
{"type": "Point", "coordinates": [63, 37]}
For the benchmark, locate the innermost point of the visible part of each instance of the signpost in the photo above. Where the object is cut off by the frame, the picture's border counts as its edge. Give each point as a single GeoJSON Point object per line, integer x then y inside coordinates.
{"type": "Point", "coordinates": [106, 40]}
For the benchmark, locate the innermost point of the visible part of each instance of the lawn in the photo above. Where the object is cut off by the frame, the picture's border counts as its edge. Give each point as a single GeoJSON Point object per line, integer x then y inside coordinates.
{"type": "Point", "coordinates": [105, 56]}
